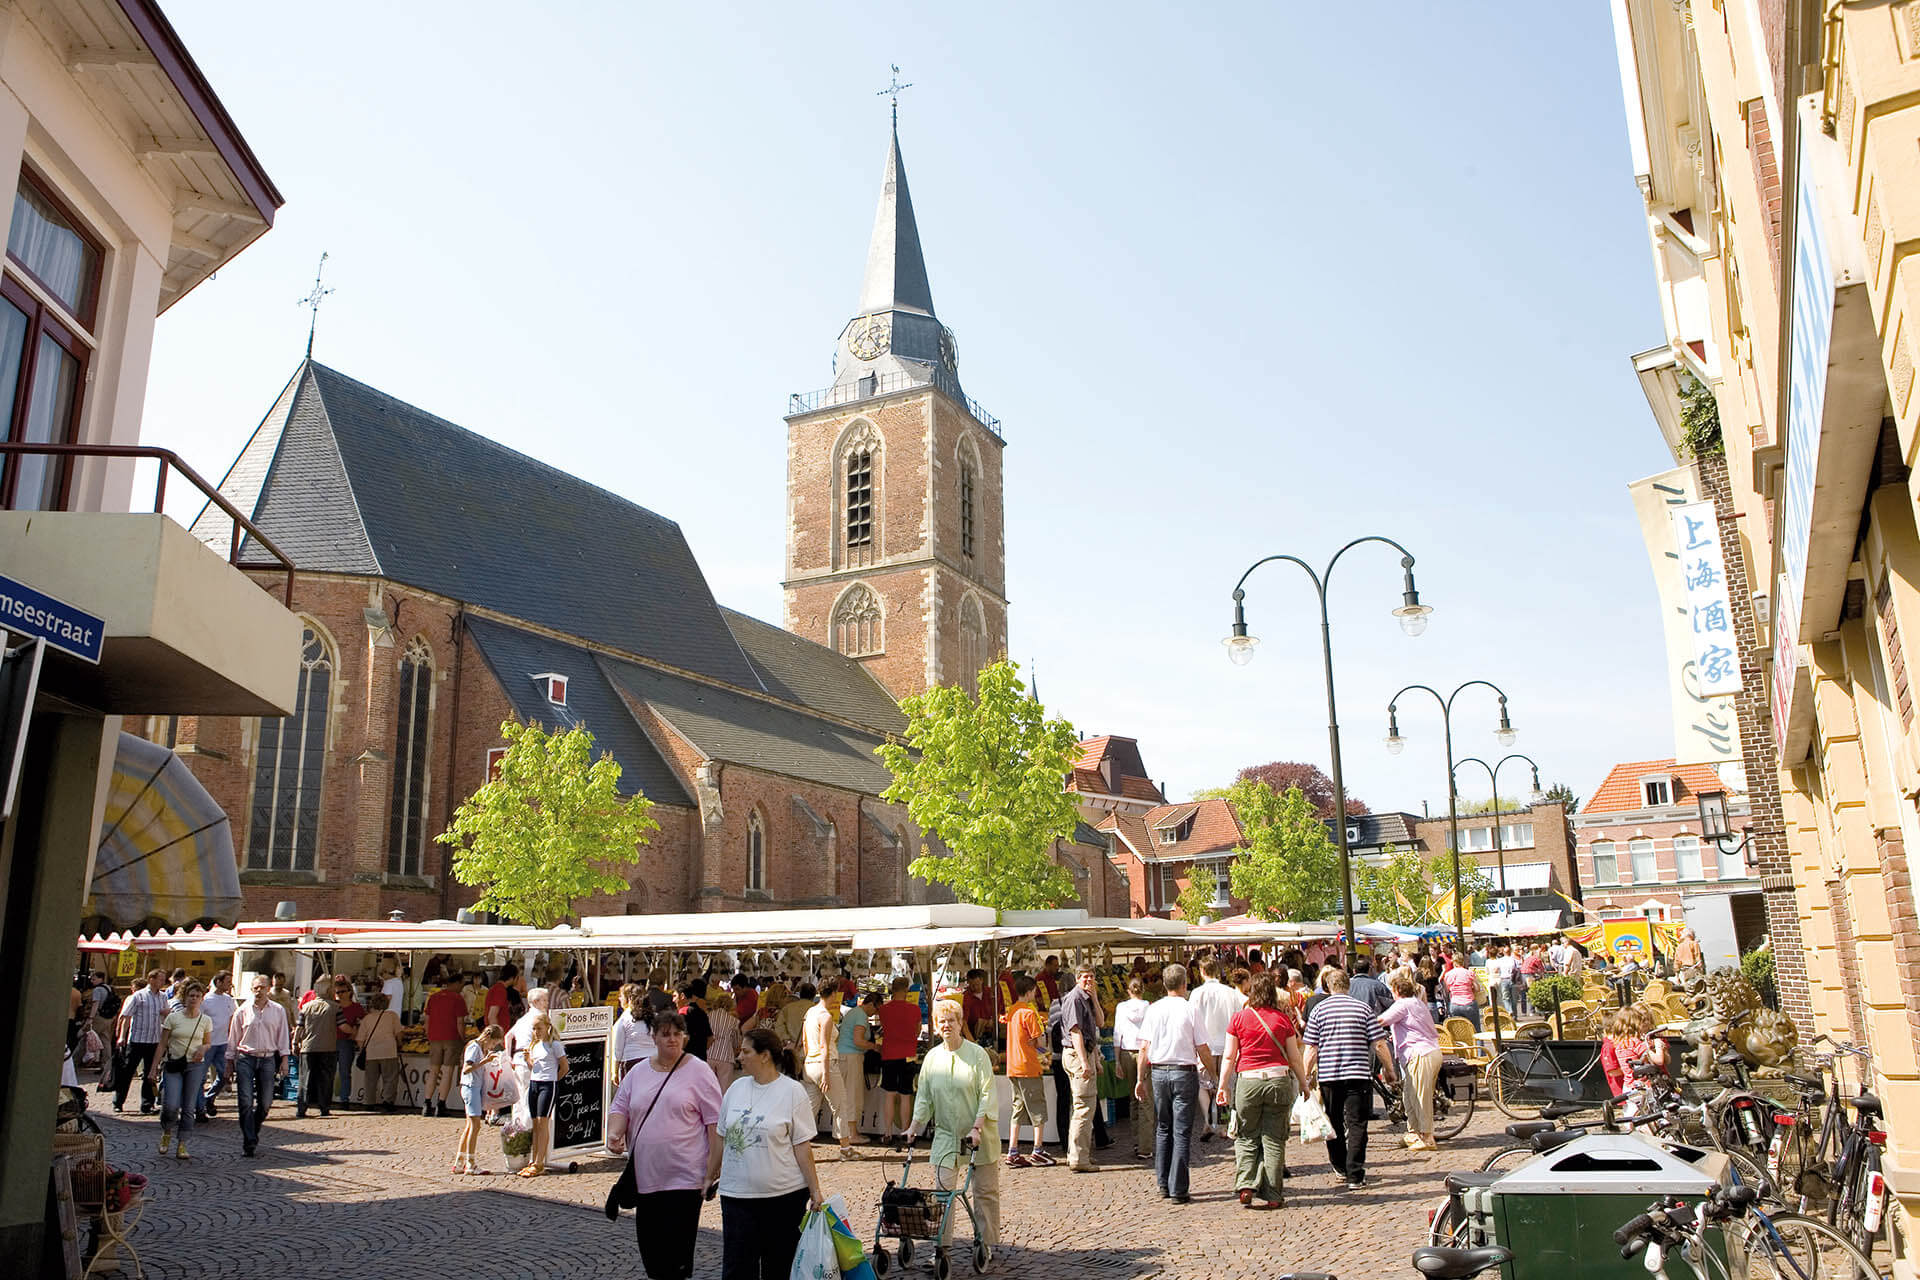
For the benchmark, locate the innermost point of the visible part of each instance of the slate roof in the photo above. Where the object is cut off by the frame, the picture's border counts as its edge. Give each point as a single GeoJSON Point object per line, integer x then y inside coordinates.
{"type": "Point", "coordinates": [1378, 829]}
{"type": "Point", "coordinates": [1621, 793]}
{"type": "Point", "coordinates": [349, 479]}
{"type": "Point", "coordinates": [515, 656]}
{"type": "Point", "coordinates": [896, 275]}
{"type": "Point", "coordinates": [813, 675]}
{"type": "Point", "coordinates": [725, 724]}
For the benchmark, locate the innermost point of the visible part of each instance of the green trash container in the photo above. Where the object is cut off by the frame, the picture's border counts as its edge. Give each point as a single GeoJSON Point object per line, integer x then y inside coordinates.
{"type": "Point", "coordinates": [1558, 1212]}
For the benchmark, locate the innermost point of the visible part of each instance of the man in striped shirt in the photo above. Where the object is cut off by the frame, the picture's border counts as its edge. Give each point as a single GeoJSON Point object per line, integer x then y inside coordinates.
{"type": "Point", "coordinates": [1344, 1038]}
{"type": "Point", "coordinates": [137, 1033]}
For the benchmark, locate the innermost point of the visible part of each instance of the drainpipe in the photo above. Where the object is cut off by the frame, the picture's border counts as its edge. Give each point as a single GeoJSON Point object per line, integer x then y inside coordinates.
{"type": "Point", "coordinates": [453, 756]}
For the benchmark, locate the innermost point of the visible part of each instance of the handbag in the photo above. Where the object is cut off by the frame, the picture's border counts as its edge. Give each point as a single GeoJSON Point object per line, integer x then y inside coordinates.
{"type": "Point", "coordinates": [625, 1192]}
{"type": "Point", "coordinates": [177, 1065]}
{"type": "Point", "coordinates": [360, 1058]}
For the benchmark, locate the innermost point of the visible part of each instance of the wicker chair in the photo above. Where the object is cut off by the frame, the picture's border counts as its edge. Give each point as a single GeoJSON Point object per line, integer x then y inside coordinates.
{"type": "Point", "coordinates": [1460, 1032]}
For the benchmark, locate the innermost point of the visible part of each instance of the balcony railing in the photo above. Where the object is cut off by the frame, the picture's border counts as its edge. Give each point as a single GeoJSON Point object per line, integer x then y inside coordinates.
{"type": "Point", "coordinates": [884, 384]}
{"type": "Point", "coordinates": [169, 461]}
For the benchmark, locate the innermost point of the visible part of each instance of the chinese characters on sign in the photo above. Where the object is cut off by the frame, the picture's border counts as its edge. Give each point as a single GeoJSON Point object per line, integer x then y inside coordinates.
{"type": "Point", "coordinates": [1703, 582]}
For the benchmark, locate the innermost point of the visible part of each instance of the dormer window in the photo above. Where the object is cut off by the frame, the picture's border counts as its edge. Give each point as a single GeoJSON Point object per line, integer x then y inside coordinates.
{"type": "Point", "coordinates": [1657, 791]}
{"type": "Point", "coordinates": [1170, 835]}
{"type": "Point", "coordinates": [554, 686]}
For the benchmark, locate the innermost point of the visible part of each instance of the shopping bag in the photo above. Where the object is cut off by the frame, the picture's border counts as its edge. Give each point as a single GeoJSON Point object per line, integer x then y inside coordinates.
{"type": "Point", "coordinates": [499, 1086]}
{"type": "Point", "coordinates": [846, 1245]}
{"type": "Point", "coordinates": [1312, 1119]}
{"type": "Point", "coordinates": [815, 1259]}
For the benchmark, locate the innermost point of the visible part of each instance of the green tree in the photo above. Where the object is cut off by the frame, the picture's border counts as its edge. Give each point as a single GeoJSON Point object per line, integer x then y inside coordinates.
{"type": "Point", "coordinates": [1288, 867]}
{"type": "Point", "coordinates": [1563, 793]}
{"type": "Point", "coordinates": [1196, 899]}
{"type": "Point", "coordinates": [984, 774]}
{"type": "Point", "coordinates": [1395, 891]}
{"type": "Point", "coordinates": [1699, 420]}
{"type": "Point", "coordinates": [1475, 883]}
{"type": "Point", "coordinates": [549, 827]}
{"type": "Point", "coordinates": [1504, 804]}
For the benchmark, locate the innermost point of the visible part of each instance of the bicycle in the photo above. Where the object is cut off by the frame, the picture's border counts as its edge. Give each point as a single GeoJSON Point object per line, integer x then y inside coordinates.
{"type": "Point", "coordinates": [1529, 1076]}
{"type": "Point", "coordinates": [1435, 1264]}
{"type": "Point", "coordinates": [1450, 1111]}
{"type": "Point", "coordinates": [1777, 1246]}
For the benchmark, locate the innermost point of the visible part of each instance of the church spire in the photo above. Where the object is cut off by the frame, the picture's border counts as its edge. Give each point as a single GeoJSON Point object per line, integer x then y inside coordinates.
{"type": "Point", "coordinates": [896, 277]}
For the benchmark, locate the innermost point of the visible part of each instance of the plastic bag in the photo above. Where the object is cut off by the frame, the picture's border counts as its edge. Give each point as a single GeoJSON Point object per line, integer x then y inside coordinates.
{"type": "Point", "coordinates": [815, 1259]}
{"type": "Point", "coordinates": [846, 1245]}
{"type": "Point", "coordinates": [1312, 1119]}
{"type": "Point", "coordinates": [499, 1085]}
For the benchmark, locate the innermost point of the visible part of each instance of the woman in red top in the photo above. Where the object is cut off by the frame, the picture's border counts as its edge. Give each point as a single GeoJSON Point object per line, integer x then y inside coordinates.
{"type": "Point", "coordinates": [1262, 1066]}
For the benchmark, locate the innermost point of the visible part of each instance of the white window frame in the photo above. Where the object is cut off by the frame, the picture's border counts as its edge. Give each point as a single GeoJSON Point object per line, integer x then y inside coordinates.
{"type": "Point", "coordinates": [1666, 792]}
{"type": "Point", "coordinates": [1642, 847]}
{"type": "Point", "coordinates": [1683, 841]}
{"type": "Point", "coordinates": [1611, 854]}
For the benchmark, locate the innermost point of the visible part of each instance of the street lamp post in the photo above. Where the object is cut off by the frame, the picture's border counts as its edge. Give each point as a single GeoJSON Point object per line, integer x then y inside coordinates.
{"type": "Point", "coordinates": [1240, 647]}
{"type": "Point", "coordinates": [1504, 735]}
{"type": "Point", "coordinates": [1493, 775]}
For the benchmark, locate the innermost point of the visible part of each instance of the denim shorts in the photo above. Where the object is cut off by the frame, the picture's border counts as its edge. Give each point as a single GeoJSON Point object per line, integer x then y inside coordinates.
{"type": "Point", "coordinates": [540, 1098]}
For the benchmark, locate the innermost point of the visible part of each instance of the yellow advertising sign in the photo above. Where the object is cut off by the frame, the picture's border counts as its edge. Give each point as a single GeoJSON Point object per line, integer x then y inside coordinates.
{"type": "Point", "coordinates": [128, 965]}
{"type": "Point", "coordinates": [1629, 939]}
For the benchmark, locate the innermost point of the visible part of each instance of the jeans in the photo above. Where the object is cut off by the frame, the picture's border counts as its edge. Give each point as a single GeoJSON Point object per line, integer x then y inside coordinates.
{"type": "Point", "coordinates": [759, 1235]}
{"type": "Point", "coordinates": [1349, 1105]}
{"type": "Point", "coordinates": [346, 1055]}
{"type": "Point", "coordinates": [216, 1064]}
{"type": "Point", "coordinates": [254, 1077]}
{"type": "Point", "coordinates": [316, 1090]}
{"type": "Point", "coordinates": [180, 1098]}
{"type": "Point", "coordinates": [1264, 1112]}
{"type": "Point", "coordinates": [1471, 1012]}
{"type": "Point", "coordinates": [1176, 1099]}
{"type": "Point", "coordinates": [134, 1059]}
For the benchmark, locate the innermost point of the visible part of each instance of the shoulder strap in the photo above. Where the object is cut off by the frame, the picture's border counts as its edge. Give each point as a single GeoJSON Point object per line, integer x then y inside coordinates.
{"type": "Point", "coordinates": [657, 1092]}
{"type": "Point", "coordinates": [1271, 1033]}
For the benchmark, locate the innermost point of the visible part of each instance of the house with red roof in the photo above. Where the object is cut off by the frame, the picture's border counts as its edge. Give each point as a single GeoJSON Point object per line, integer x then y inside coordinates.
{"type": "Point", "coordinates": [1160, 848]}
{"type": "Point", "coordinates": [1639, 849]}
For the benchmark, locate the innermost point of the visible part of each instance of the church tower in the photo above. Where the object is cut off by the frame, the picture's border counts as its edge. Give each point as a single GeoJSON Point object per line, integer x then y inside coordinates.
{"type": "Point", "coordinates": [896, 554]}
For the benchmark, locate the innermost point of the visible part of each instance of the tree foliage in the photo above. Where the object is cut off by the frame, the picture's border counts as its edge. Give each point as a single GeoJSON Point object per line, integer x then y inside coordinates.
{"type": "Point", "coordinates": [1289, 866]}
{"type": "Point", "coordinates": [1317, 786]}
{"type": "Point", "coordinates": [1561, 793]}
{"type": "Point", "coordinates": [1699, 420]}
{"type": "Point", "coordinates": [1501, 804]}
{"type": "Point", "coordinates": [1196, 900]}
{"type": "Point", "coordinates": [984, 774]}
{"type": "Point", "coordinates": [550, 827]}
{"type": "Point", "coordinates": [1475, 883]}
{"type": "Point", "coordinates": [1395, 891]}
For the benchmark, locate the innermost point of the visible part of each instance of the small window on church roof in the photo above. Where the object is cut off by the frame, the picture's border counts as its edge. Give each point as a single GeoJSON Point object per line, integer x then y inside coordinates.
{"type": "Point", "coordinates": [554, 685]}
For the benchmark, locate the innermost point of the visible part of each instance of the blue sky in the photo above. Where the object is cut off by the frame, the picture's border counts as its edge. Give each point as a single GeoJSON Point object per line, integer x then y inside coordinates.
{"type": "Point", "coordinates": [1238, 280]}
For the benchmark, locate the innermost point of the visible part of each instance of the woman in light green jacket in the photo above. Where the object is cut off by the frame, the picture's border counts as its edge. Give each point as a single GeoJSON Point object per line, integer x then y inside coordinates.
{"type": "Point", "coordinates": [955, 1094]}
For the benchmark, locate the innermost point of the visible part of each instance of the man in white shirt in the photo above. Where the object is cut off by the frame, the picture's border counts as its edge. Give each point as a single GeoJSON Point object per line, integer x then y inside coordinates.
{"type": "Point", "coordinates": [261, 1043]}
{"type": "Point", "coordinates": [520, 1035]}
{"type": "Point", "coordinates": [1501, 969]}
{"type": "Point", "coordinates": [219, 1006]}
{"type": "Point", "coordinates": [1215, 1003]}
{"type": "Point", "coordinates": [1170, 1059]}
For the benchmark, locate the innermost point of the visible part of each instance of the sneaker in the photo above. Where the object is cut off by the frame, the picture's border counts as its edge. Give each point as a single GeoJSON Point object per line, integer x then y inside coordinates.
{"type": "Point", "coordinates": [1356, 1184]}
{"type": "Point", "coordinates": [1018, 1161]}
{"type": "Point", "coordinates": [166, 1140]}
{"type": "Point", "coordinates": [1041, 1158]}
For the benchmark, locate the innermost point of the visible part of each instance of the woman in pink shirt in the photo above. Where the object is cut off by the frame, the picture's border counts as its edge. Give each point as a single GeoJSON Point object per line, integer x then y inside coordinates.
{"type": "Point", "coordinates": [1463, 993]}
{"type": "Point", "coordinates": [667, 1112]}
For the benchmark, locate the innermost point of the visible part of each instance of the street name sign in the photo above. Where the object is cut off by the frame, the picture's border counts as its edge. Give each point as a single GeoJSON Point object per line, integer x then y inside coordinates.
{"type": "Point", "coordinates": [28, 612]}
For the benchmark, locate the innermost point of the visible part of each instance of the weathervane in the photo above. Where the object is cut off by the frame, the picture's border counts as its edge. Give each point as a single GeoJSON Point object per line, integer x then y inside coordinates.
{"type": "Point", "coordinates": [893, 91]}
{"type": "Point", "coordinates": [312, 302]}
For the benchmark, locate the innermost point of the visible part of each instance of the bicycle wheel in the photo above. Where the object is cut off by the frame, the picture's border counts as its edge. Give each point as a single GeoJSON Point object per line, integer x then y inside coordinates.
{"type": "Point", "coordinates": [1853, 1205]}
{"type": "Point", "coordinates": [1507, 1158]}
{"type": "Point", "coordinates": [1801, 1248]}
{"type": "Point", "coordinates": [1507, 1082]}
{"type": "Point", "coordinates": [1748, 1172]}
{"type": "Point", "coordinates": [1451, 1110]}
{"type": "Point", "coordinates": [1449, 1228]}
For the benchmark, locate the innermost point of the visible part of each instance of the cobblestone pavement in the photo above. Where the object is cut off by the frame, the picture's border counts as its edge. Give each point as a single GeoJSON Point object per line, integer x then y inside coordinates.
{"type": "Point", "coordinates": [369, 1195]}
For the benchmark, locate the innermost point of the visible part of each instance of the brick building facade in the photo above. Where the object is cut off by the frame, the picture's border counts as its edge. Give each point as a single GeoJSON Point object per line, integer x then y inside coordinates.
{"type": "Point", "coordinates": [1640, 847]}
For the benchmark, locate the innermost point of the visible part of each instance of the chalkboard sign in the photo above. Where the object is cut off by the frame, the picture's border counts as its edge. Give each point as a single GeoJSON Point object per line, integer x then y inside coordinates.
{"type": "Point", "coordinates": [579, 1100]}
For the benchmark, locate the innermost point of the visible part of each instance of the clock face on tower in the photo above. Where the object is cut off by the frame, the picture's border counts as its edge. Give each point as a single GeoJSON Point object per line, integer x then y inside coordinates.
{"type": "Point", "coordinates": [869, 337]}
{"type": "Point", "coordinates": [949, 352]}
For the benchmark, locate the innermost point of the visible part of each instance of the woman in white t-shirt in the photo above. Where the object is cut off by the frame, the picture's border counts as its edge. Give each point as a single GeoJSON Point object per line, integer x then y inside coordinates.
{"type": "Point", "coordinates": [546, 1060]}
{"type": "Point", "coordinates": [764, 1163]}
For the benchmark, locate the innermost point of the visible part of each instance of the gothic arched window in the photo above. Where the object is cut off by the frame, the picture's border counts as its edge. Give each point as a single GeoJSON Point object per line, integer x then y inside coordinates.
{"type": "Point", "coordinates": [973, 642]}
{"type": "Point", "coordinates": [858, 622]}
{"type": "Point", "coordinates": [756, 853]}
{"type": "Point", "coordinates": [969, 460]}
{"type": "Point", "coordinates": [860, 498]}
{"type": "Point", "coordinates": [412, 742]}
{"type": "Point", "coordinates": [284, 820]}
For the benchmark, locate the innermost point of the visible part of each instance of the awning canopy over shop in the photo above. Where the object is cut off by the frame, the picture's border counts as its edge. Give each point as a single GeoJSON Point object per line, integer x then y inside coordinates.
{"type": "Point", "coordinates": [166, 849]}
{"type": "Point", "coordinates": [198, 938]}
